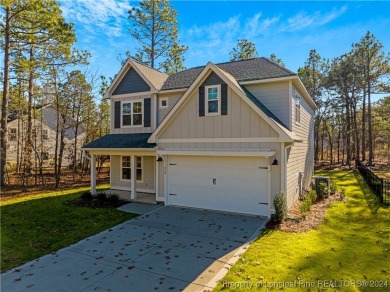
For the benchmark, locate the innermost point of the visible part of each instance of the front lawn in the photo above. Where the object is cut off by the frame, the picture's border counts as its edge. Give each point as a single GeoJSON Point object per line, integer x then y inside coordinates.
{"type": "Point", "coordinates": [352, 244]}
{"type": "Point", "coordinates": [32, 227]}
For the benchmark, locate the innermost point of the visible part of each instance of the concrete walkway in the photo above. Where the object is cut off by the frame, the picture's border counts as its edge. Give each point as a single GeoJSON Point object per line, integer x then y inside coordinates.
{"type": "Point", "coordinates": [167, 249]}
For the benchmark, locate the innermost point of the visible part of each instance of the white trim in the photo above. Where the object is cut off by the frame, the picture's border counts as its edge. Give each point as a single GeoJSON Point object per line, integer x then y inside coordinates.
{"type": "Point", "coordinates": [290, 105]}
{"type": "Point", "coordinates": [161, 100]}
{"type": "Point", "coordinates": [137, 94]}
{"type": "Point", "coordinates": [221, 140]}
{"type": "Point", "coordinates": [216, 152]}
{"type": "Point", "coordinates": [173, 90]}
{"type": "Point", "coordinates": [132, 114]}
{"type": "Point", "coordinates": [125, 68]}
{"type": "Point", "coordinates": [206, 101]}
{"type": "Point", "coordinates": [121, 168]}
{"type": "Point", "coordinates": [119, 188]}
{"type": "Point", "coordinates": [268, 80]}
{"type": "Point", "coordinates": [283, 133]}
{"type": "Point", "coordinates": [156, 177]}
{"type": "Point", "coordinates": [269, 191]}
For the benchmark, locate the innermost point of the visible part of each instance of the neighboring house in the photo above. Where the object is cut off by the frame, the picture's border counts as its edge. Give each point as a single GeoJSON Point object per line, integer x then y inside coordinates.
{"type": "Point", "coordinates": [44, 138]}
{"type": "Point", "coordinates": [227, 136]}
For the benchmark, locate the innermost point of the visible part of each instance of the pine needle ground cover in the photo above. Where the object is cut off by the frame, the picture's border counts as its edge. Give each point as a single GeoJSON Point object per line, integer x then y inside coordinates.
{"type": "Point", "coordinates": [37, 225]}
{"type": "Point", "coordinates": [349, 251]}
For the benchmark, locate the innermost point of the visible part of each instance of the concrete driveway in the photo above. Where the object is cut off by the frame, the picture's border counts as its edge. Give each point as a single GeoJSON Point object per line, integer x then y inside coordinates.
{"type": "Point", "coordinates": [166, 249]}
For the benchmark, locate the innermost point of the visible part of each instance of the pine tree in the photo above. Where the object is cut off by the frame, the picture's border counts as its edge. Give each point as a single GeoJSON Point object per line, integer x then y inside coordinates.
{"type": "Point", "coordinates": [277, 60]}
{"type": "Point", "coordinates": [154, 26]}
{"type": "Point", "coordinates": [243, 50]}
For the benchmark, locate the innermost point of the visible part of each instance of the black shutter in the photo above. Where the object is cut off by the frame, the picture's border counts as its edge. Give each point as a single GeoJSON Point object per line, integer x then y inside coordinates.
{"type": "Point", "coordinates": [224, 100]}
{"type": "Point", "coordinates": [201, 101]}
{"type": "Point", "coordinates": [147, 111]}
{"type": "Point", "coordinates": [117, 114]}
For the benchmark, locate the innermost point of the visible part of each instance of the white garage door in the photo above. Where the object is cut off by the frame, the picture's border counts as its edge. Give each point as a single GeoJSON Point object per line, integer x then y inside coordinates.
{"type": "Point", "coordinates": [232, 184]}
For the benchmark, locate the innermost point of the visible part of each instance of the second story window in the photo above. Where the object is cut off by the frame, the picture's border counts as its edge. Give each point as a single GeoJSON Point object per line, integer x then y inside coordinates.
{"type": "Point", "coordinates": [45, 135]}
{"type": "Point", "coordinates": [213, 100]}
{"type": "Point", "coordinates": [297, 108]}
{"type": "Point", "coordinates": [12, 134]}
{"type": "Point", "coordinates": [132, 113]}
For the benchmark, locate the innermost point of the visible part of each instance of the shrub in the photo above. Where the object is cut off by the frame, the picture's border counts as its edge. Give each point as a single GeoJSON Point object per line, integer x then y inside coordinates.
{"type": "Point", "coordinates": [102, 196]}
{"type": "Point", "coordinates": [86, 196]}
{"type": "Point", "coordinates": [305, 206]}
{"type": "Point", "coordinates": [312, 195]}
{"type": "Point", "coordinates": [323, 190]}
{"type": "Point", "coordinates": [112, 198]}
{"type": "Point", "coordinates": [280, 205]}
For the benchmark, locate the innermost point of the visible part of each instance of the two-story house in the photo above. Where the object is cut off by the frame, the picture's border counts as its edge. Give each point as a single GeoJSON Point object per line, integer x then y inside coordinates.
{"type": "Point", "coordinates": [227, 136]}
{"type": "Point", "coordinates": [44, 138]}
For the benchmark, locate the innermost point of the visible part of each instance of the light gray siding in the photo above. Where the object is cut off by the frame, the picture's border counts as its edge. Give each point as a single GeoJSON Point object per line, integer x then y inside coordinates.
{"type": "Point", "coordinates": [240, 122]}
{"type": "Point", "coordinates": [275, 96]}
{"type": "Point", "coordinates": [172, 98]}
{"type": "Point", "coordinates": [131, 83]}
{"type": "Point", "coordinates": [147, 182]}
{"type": "Point", "coordinates": [129, 130]}
{"type": "Point", "coordinates": [301, 155]}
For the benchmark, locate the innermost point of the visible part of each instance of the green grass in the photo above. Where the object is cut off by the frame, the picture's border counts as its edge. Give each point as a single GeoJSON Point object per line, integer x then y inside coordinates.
{"type": "Point", "coordinates": [351, 244]}
{"type": "Point", "coordinates": [32, 227]}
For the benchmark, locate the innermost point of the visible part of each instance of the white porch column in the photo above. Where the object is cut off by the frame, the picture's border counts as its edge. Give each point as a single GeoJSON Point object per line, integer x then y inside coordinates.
{"type": "Point", "coordinates": [157, 176]}
{"type": "Point", "coordinates": [133, 177]}
{"type": "Point", "coordinates": [93, 174]}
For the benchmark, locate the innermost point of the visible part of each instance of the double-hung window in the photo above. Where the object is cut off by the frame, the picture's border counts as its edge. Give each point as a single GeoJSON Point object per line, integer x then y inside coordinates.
{"type": "Point", "coordinates": [213, 100]}
{"type": "Point", "coordinates": [126, 168]}
{"type": "Point", "coordinates": [132, 113]}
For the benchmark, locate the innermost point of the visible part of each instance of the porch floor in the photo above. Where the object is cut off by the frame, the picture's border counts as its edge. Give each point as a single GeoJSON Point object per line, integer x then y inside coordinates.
{"type": "Point", "coordinates": [141, 197]}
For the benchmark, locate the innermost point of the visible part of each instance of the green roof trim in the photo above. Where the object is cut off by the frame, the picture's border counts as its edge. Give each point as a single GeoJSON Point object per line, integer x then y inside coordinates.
{"type": "Point", "coordinates": [125, 141]}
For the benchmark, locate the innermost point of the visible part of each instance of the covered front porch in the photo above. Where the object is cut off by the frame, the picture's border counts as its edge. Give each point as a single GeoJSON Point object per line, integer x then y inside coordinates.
{"type": "Point", "coordinates": [134, 169]}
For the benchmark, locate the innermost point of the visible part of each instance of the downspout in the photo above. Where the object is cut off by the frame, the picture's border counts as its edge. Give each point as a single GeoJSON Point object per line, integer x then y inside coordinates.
{"type": "Point", "coordinates": [84, 155]}
{"type": "Point", "coordinates": [284, 167]}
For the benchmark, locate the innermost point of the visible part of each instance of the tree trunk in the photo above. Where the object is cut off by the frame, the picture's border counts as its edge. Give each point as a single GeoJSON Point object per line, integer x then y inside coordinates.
{"type": "Point", "coordinates": [370, 142]}
{"type": "Point", "coordinates": [348, 130]}
{"type": "Point", "coordinates": [364, 126]}
{"type": "Point", "coordinates": [4, 105]}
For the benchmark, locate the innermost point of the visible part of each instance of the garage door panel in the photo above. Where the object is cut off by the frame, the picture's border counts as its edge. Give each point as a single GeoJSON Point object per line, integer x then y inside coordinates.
{"type": "Point", "coordinates": [231, 184]}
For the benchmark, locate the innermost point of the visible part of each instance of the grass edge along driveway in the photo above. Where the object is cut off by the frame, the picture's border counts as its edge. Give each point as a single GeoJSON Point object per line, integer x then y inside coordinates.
{"type": "Point", "coordinates": [351, 245]}
{"type": "Point", "coordinates": [33, 227]}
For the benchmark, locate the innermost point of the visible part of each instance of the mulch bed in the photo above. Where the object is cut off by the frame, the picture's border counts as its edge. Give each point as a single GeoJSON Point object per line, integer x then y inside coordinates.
{"type": "Point", "coordinates": [95, 203]}
{"type": "Point", "coordinates": [297, 223]}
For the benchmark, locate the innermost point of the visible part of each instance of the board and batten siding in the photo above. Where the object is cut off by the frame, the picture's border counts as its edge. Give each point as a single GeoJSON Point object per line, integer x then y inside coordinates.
{"type": "Point", "coordinates": [172, 98]}
{"type": "Point", "coordinates": [275, 96]}
{"type": "Point", "coordinates": [240, 122]}
{"type": "Point", "coordinates": [301, 155]}
{"type": "Point", "coordinates": [131, 83]}
{"type": "Point", "coordinates": [131, 130]}
{"type": "Point", "coordinates": [148, 172]}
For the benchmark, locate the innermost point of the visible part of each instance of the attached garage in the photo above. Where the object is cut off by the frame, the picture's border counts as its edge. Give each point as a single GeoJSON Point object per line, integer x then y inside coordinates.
{"type": "Point", "coordinates": [232, 184]}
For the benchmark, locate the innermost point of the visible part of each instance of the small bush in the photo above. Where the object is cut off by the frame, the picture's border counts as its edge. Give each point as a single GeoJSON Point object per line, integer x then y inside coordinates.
{"type": "Point", "coordinates": [280, 205]}
{"type": "Point", "coordinates": [323, 190]}
{"type": "Point", "coordinates": [305, 206]}
{"type": "Point", "coordinates": [101, 196]}
{"type": "Point", "coordinates": [86, 196]}
{"type": "Point", "coordinates": [112, 198]}
{"type": "Point", "coordinates": [312, 195]}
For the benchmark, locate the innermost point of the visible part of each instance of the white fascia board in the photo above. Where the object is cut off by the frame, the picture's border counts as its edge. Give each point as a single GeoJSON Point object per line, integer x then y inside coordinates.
{"type": "Point", "coordinates": [152, 138]}
{"type": "Point", "coordinates": [118, 78]}
{"type": "Point", "coordinates": [298, 83]}
{"type": "Point", "coordinates": [217, 152]}
{"type": "Point", "coordinates": [268, 80]}
{"type": "Point", "coordinates": [173, 90]}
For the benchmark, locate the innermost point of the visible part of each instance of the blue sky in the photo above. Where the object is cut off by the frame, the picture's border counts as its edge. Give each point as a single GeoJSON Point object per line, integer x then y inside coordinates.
{"type": "Point", "coordinates": [211, 28]}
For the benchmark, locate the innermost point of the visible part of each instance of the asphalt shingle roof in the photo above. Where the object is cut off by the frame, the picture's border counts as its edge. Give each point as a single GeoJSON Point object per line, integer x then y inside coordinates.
{"type": "Point", "coordinates": [121, 141]}
{"type": "Point", "coordinates": [244, 70]}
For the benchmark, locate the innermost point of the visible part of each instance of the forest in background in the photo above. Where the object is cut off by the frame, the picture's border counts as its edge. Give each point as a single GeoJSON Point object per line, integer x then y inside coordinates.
{"type": "Point", "coordinates": [41, 67]}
